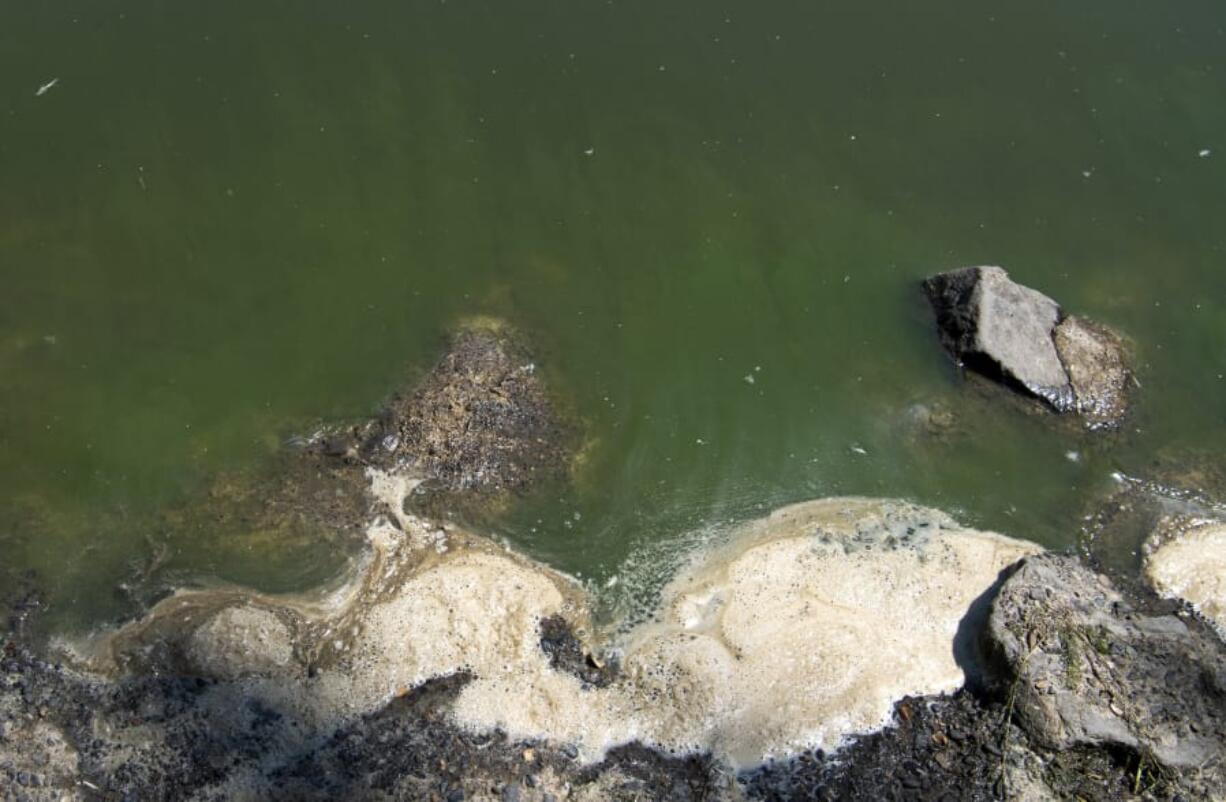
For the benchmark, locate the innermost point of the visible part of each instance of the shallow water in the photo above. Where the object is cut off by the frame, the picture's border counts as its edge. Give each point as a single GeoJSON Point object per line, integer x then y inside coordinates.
{"type": "Point", "coordinates": [225, 223]}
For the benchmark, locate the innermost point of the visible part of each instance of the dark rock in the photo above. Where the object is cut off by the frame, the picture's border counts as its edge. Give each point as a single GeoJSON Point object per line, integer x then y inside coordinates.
{"type": "Point", "coordinates": [480, 421]}
{"type": "Point", "coordinates": [1070, 689]}
{"type": "Point", "coordinates": [1021, 338]}
{"type": "Point", "coordinates": [566, 653]}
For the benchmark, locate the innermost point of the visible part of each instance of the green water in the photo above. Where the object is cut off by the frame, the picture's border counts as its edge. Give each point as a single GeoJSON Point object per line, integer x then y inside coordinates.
{"type": "Point", "coordinates": [229, 221]}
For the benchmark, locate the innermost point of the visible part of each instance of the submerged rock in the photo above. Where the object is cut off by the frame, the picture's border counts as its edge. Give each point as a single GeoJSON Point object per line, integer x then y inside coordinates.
{"type": "Point", "coordinates": [1022, 338]}
{"type": "Point", "coordinates": [1086, 669]}
{"type": "Point", "coordinates": [481, 421]}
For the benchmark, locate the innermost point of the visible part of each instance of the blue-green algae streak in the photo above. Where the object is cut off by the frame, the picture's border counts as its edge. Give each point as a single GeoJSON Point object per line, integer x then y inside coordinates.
{"type": "Point", "coordinates": [224, 223]}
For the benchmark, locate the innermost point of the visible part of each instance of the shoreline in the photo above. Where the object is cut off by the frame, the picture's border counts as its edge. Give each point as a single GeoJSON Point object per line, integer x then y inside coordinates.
{"type": "Point", "coordinates": [831, 649]}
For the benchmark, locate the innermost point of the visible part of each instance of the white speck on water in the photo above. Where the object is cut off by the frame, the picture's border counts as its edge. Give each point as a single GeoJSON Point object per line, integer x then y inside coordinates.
{"type": "Point", "coordinates": [1117, 476]}
{"type": "Point", "coordinates": [47, 87]}
{"type": "Point", "coordinates": [1205, 153]}
{"type": "Point", "coordinates": [589, 152]}
{"type": "Point", "coordinates": [749, 378]}
{"type": "Point", "coordinates": [1072, 456]}
{"type": "Point", "coordinates": [700, 441]}
{"type": "Point", "coordinates": [1087, 173]}
{"type": "Point", "coordinates": [858, 450]}
{"type": "Point", "coordinates": [50, 339]}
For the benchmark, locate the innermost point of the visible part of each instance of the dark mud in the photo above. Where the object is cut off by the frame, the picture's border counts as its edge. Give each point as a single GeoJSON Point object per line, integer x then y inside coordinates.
{"type": "Point", "coordinates": [567, 653]}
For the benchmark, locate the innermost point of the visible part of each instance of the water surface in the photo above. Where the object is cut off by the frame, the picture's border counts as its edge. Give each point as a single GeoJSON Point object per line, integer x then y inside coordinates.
{"type": "Point", "coordinates": [227, 222]}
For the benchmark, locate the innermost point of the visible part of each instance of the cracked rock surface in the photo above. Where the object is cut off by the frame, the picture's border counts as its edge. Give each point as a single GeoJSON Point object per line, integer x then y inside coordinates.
{"type": "Point", "coordinates": [1023, 339]}
{"type": "Point", "coordinates": [1087, 669]}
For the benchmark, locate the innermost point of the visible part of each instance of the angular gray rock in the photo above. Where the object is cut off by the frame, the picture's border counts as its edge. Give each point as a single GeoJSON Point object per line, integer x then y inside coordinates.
{"type": "Point", "coordinates": [1088, 669]}
{"type": "Point", "coordinates": [986, 317]}
{"type": "Point", "coordinates": [1022, 338]}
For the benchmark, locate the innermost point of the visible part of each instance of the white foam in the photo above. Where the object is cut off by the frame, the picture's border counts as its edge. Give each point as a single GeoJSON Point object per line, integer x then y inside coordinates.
{"type": "Point", "coordinates": [799, 630]}
{"type": "Point", "coordinates": [1192, 566]}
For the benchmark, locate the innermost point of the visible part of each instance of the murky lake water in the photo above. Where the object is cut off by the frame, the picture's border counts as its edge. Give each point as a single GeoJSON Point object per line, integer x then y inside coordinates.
{"type": "Point", "coordinates": [224, 223]}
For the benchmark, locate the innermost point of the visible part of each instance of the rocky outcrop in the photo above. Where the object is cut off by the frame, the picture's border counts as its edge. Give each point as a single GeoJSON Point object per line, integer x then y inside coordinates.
{"type": "Point", "coordinates": [1087, 669]}
{"type": "Point", "coordinates": [1022, 338]}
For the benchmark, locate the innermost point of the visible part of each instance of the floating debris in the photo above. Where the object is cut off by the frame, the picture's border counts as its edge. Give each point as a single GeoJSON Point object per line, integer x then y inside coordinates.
{"type": "Point", "coordinates": [47, 87]}
{"type": "Point", "coordinates": [1204, 153]}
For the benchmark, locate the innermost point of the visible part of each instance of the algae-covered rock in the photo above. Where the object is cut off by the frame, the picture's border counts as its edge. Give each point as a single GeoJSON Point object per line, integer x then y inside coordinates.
{"type": "Point", "coordinates": [480, 421]}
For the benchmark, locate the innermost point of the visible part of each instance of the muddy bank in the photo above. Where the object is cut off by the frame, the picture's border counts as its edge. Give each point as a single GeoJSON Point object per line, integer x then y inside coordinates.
{"type": "Point", "coordinates": [66, 733]}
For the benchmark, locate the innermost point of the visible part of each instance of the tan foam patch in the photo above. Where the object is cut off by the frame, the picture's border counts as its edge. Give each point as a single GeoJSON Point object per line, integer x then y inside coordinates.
{"type": "Point", "coordinates": [796, 631]}
{"type": "Point", "coordinates": [1192, 566]}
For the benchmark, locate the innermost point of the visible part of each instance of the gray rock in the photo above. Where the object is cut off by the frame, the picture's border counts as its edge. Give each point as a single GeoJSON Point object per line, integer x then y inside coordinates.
{"type": "Point", "coordinates": [1087, 669]}
{"type": "Point", "coordinates": [1022, 338]}
{"type": "Point", "coordinates": [994, 324]}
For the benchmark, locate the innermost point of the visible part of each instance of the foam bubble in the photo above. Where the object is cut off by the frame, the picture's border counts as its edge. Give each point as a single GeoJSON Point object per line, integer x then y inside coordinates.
{"type": "Point", "coordinates": [1192, 566]}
